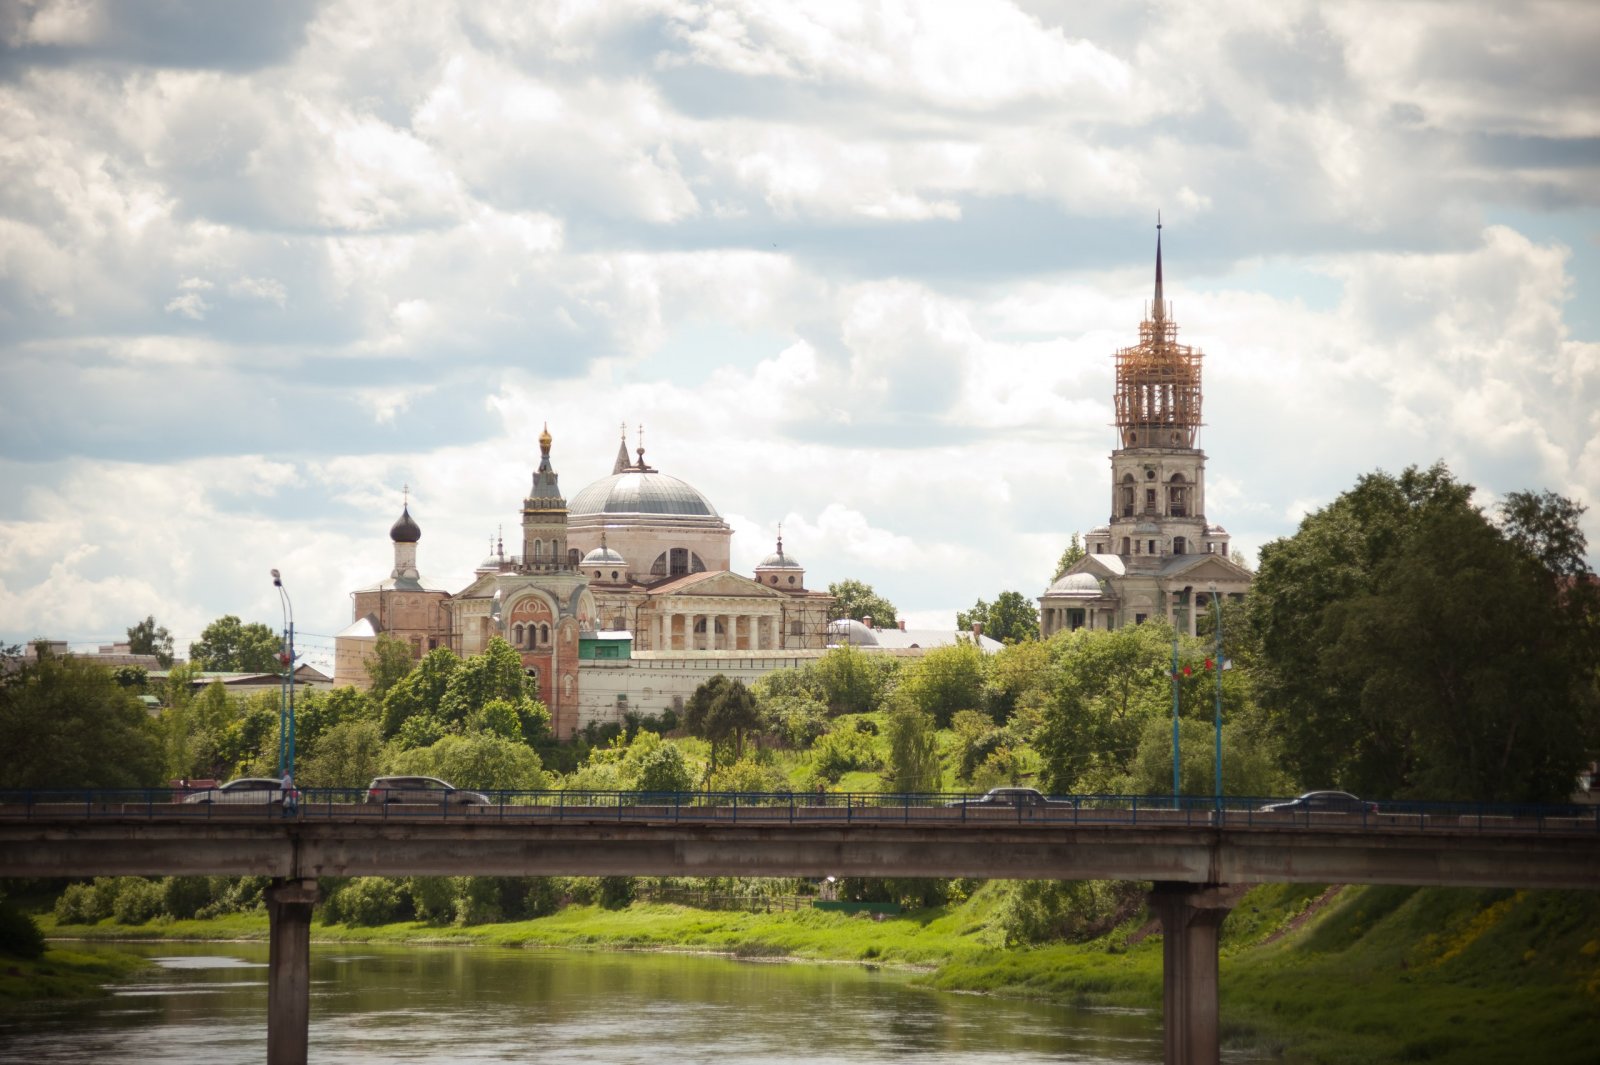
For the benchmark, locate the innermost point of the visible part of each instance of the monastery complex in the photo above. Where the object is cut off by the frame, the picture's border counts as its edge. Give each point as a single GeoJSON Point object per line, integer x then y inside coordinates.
{"type": "Point", "coordinates": [622, 598]}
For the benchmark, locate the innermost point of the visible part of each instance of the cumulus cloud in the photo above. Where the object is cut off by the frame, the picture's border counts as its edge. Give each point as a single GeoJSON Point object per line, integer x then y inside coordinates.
{"type": "Point", "coordinates": [859, 270]}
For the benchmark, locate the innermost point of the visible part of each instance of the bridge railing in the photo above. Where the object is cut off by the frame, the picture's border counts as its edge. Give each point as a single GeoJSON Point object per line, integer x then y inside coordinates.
{"type": "Point", "coordinates": [1234, 812]}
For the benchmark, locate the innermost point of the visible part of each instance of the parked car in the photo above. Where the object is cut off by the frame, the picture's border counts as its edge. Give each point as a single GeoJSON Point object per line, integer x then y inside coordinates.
{"type": "Point", "coordinates": [1016, 797]}
{"type": "Point", "coordinates": [1323, 802]}
{"type": "Point", "coordinates": [243, 790]}
{"type": "Point", "coordinates": [422, 790]}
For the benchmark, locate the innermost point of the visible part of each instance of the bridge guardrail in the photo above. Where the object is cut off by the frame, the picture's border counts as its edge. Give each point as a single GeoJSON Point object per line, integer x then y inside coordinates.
{"type": "Point", "coordinates": [812, 807]}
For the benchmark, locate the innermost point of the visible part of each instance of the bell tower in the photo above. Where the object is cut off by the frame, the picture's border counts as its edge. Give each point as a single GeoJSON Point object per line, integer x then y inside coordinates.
{"type": "Point", "coordinates": [544, 518]}
{"type": "Point", "coordinates": [1158, 471]}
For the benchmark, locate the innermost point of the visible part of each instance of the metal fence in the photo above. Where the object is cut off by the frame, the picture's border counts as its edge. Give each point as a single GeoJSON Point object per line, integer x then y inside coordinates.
{"type": "Point", "coordinates": [845, 808]}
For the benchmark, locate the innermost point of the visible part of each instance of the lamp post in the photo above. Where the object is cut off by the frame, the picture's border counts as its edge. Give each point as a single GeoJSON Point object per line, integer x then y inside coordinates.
{"type": "Point", "coordinates": [286, 708]}
{"type": "Point", "coordinates": [1177, 761]}
{"type": "Point", "coordinates": [1217, 606]}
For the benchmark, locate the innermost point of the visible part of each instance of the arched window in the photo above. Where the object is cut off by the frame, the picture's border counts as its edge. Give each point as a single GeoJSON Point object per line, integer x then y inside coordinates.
{"type": "Point", "coordinates": [1178, 498]}
{"type": "Point", "coordinates": [1127, 495]}
{"type": "Point", "coordinates": [573, 558]}
{"type": "Point", "coordinates": [1179, 546]}
{"type": "Point", "coordinates": [538, 550]}
{"type": "Point", "coordinates": [544, 635]}
{"type": "Point", "coordinates": [678, 562]}
{"type": "Point", "coordinates": [1126, 547]}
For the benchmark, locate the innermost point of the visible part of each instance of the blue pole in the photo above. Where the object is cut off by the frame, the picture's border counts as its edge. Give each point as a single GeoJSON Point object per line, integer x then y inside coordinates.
{"type": "Point", "coordinates": [1217, 603]}
{"type": "Point", "coordinates": [1176, 763]}
{"type": "Point", "coordinates": [291, 698]}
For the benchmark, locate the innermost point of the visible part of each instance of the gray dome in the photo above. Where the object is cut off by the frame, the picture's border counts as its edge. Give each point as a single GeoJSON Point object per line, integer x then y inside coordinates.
{"type": "Point", "coordinates": [778, 561]}
{"type": "Point", "coordinates": [1083, 584]}
{"type": "Point", "coordinates": [633, 492]}
{"type": "Point", "coordinates": [603, 556]}
{"type": "Point", "coordinates": [852, 632]}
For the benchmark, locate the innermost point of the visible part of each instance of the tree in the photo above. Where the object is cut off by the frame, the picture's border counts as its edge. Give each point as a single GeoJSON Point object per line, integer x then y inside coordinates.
{"type": "Point", "coordinates": [913, 750]}
{"type": "Point", "coordinates": [945, 680]}
{"type": "Point", "coordinates": [390, 661]}
{"type": "Point", "coordinates": [229, 646]}
{"type": "Point", "coordinates": [722, 712]}
{"type": "Point", "coordinates": [419, 692]}
{"type": "Point", "coordinates": [1011, 618]}
{"type": "Point", "coordinates": [1409, 647]}
{"type": "Point", "coordinates": [65, 722]}
{"type": "Point", "coordinates": [849, 681]}
{"type": "Point", "coordinates": [146, 638]}
{"type": "Point", "coordinates": [494, 677]}
{"type": "Point", "coordinates": [1070, 557]}
{"type": "Point", "coordinates": [482, 761]}
{"type": "Point", "coordinates": [856, 599]}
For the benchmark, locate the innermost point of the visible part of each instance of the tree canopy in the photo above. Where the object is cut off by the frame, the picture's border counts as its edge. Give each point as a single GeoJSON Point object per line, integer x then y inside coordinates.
{"type": "Point", "coordinates": [856, 599]}
{"type": "Point", "coordinates": [1408, 646]}
{"type": "Point", "coordinates": [1011, 618]}
{"type": "Point", "coordinates": [1072, 554]}
{"type": "Point", "coordinates": [66, 722]}
{"type": "Point", "coordinates": [229, 646]}
{"type": "Point", "coordinates": [147, 638]}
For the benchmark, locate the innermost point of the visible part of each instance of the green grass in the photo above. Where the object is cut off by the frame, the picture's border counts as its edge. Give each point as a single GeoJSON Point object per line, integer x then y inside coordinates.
{"type": "Point", "coordinates": [1363, 975]}
{"type": "Point", "coordinates": [63, 974]}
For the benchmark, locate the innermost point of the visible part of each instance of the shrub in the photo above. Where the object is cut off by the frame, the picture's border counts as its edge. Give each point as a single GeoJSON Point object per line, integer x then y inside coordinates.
{"type": "Point", "coordinates": [19, 936]}
{"type": "Point", "coordinates": [78, 905]}
{"type": "Point", "coordinates": [183, 897]}
{"type": "Point", "coordinates": [616, 892]}
{"type": "Point", "coordinates": [366, 900]}
{"type": "Point", "coordinates": [432, 897]}
{"type": "Point", "coordinates": [478, 900]}
{"type": "Point", "coordinates": [543, 897]}
{"type": "Point", "coordinates": [138, 900]}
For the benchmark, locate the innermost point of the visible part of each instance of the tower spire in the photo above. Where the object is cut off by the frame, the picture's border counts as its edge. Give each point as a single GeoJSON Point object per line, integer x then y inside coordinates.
{"type": "Point", "coordinates": [622, 462]}
{"type": "Point", "coordinates": [1160, 311]}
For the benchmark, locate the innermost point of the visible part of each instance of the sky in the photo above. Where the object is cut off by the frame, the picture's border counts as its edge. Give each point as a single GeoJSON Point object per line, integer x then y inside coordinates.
{"type": "Point", "coordinates": [857, 269]}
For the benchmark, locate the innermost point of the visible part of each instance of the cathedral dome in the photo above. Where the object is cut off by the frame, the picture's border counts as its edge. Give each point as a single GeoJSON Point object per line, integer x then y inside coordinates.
{"type": "Point", "coordinates": [852, 632]}
{"type": "Point", "coordinates": [633, 492]}
{"type": "Point", "coordinates": [405, 531]}
{"type": "Point", "coordinates": [1081, 584]}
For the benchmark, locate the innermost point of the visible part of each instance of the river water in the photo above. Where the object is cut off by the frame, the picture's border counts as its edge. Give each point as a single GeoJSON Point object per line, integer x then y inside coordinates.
{"type": "Point", "coordinates": [206, 1003]}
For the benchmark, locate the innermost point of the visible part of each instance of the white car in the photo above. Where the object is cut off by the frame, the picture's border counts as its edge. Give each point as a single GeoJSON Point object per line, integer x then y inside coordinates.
{"type": "Point", "coordinates": [243, 790]}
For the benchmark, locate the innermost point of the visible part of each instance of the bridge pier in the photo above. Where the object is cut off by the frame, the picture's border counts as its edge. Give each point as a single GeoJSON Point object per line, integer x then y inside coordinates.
{"type": "Point", "coordinates": [1191, 916]}
{"type": "Point", "coordinates": [289, 905]}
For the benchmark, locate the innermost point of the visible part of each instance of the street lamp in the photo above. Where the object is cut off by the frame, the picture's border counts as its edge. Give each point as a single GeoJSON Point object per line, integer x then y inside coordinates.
{"type": "Point", "coordinates": [286, 708]}
{"type": "Point", "coordinates": [1217, 606]}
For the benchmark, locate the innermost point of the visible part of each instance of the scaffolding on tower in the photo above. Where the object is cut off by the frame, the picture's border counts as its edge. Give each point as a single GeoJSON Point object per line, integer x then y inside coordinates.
{"type": "Point", "coordinates": [1158, 382]}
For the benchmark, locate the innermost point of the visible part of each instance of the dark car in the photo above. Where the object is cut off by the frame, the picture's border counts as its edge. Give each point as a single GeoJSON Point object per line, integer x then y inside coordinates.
{"type": "Point", "coordinates": [421, 790]}
{"type": "Point", "coordinates": [1018, 797]}
{"type": "Point", "coordinates": [243, 790]}
{"type": "Point", "coordinates": [1323, 802]}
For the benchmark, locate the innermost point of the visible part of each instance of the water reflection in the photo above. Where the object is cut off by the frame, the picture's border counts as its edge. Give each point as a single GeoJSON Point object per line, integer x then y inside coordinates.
{"type": "Point", "coordinates": [207, 1002]}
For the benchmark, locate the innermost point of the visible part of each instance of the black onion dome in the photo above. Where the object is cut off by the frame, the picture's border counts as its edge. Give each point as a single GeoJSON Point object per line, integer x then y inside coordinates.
{"type": "Point", "coordinates": [405, 531]}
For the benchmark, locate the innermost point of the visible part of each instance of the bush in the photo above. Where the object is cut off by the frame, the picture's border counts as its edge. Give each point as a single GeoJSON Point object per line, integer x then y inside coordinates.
{"type": "Point", "coordinates": [19, 936]}
{"type": "Point", "coordinates": [78, 905]}
{"type": "Point", "coordinates": [138, 900]}
{"type": "Point", "coordinates": [616, 892]}
{"type": "Point", "coordinates": [543, 897]}
{"type": "Point", "coordinates": [432, 897]}
{"type": "Point", "coordinates": [366, 900]}
{"type": "Point", "coordinates": [478, 900]}
{"type": "Point", "coordinates": [183, 897]}
{"type": "Point", "coordinates": [230, 894]}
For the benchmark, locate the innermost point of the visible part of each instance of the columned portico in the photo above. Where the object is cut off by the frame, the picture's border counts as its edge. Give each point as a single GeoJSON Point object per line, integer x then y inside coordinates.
{"type": "Point", "coordinates": [289, 905]}
{"type": "Point", "coordinates": [1191, 916]}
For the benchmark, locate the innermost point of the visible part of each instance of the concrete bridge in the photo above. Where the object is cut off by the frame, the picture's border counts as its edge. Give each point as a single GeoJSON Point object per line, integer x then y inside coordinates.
{"type": "Point", "coordinates": [1190, 855]}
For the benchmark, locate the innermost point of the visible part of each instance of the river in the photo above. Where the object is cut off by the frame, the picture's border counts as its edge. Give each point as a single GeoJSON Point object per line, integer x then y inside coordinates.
{"type": "Point", "coordinates": [206, 1003]}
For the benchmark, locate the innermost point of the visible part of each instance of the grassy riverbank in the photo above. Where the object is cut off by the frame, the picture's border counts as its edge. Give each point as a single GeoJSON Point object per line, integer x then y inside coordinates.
{"type": "Point", "coordinates": [1343, 977]}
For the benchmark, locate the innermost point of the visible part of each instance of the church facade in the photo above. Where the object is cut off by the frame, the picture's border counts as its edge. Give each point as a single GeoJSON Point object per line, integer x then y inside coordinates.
{"type": "Point", "coordinates": [1158, 555]}
{"type": "Point", "coordinates": [637, 554]}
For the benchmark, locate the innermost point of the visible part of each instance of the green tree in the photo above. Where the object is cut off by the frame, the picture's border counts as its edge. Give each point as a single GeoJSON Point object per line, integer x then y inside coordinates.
{"type": "Point", "coordinates": [1102, 686]}
{"type": "Point", "coordinates": [850, 681]}
{"type": "Point", "coordinates": [419, 693]}
{"type": "Point", "coordinates": [945, 680]}
{"type": "Point", "coordinates": [654, 764]}
{"type": "Point", "coordinates": [348, 755]}
{"type": "Point", "coordinates": [1011, 618]}
{"type": "Point", "coordinates": [722, 712]}
{"type": "Point", "coordinates": [388, 664]}
{"type": "Point", "coordinates": [229, 646]}
{"type": "Point", "coordinates": [856, 599]}
{"type": "Point", "coordinates": [1409, 647]}
{"type": "Point", "coordinates": [494, 679]}
{"type": "Point", "coordinates": [1069, 558]}
{"type": "Point", "coordinates": [147, 638]}
{"type": "Point", "coordinates": [65, 722]}
{"type": "Point", "coordinates": [477, 761]}
{"type": "Point", "coordinates": [913, 750]}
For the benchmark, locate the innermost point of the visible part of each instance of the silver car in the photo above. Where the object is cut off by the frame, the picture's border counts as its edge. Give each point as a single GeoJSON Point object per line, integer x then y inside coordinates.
{"type": "Point", "coordinates": [421, 790]}
{"type": "Point", "coordinates": [243, 790]}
